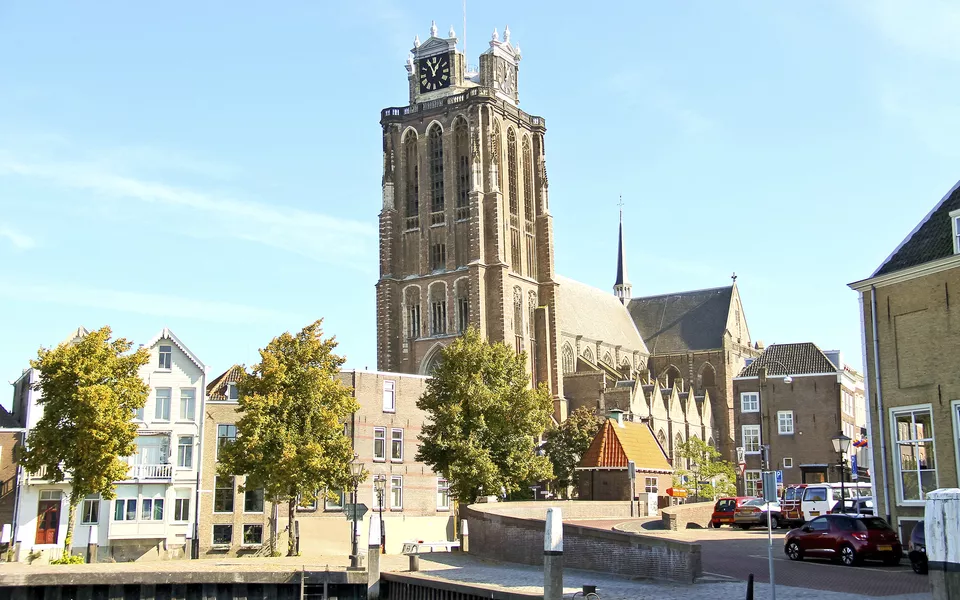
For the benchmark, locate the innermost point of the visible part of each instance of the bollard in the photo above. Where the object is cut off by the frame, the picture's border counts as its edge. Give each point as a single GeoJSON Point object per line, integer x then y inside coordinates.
{"type": "Point", "coordinates": [464, 537]}
{"type": "Point", "coordinates": [553, 556]}
{"type": "Point", "coordinates": [92, 544]}
{"type": "Point", "coordinates": [750, 587]}
{"type": "Point", "coordinates": [373, 559]}
{"type": "Point", "coordinates": [414, 562]}
{"type": "Point", "coordinates": [941, 523]}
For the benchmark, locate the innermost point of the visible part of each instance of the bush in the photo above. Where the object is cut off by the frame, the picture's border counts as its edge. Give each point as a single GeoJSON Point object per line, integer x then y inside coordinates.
{"type": "Point", "coordinates": [68, 559]}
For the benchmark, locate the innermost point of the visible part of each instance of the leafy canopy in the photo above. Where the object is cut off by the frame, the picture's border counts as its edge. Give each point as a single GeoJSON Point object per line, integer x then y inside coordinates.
{"type": "Point", "coordinates": [705, 466]}
{"type": "Point", "coordinates": [565, 444]}
{"type": "Point", "coordinates": [483, 419]}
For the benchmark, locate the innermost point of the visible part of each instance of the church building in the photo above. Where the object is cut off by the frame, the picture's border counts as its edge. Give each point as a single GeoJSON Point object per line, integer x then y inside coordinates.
{"type": "Point", "coordinates": [466, 239]}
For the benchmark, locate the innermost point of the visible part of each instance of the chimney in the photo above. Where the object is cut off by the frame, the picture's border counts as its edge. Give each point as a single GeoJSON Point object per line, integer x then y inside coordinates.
{"type": "Point", "coordinates": [617, 415]}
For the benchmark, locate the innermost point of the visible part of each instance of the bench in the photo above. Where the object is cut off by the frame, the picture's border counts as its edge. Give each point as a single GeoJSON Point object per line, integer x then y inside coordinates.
{"type": "Point", "coordinates": [415, 549]}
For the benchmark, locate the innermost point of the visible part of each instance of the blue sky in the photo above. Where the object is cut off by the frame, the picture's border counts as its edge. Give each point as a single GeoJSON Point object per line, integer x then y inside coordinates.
{"type": "Point", "coordinates": [214, 167]}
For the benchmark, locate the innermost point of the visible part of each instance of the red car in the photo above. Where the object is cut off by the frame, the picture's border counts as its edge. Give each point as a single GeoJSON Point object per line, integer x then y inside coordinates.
{"type": "Point", "coordinates": [848, 539]}
{"type": "Point", "coordinates": [725, 507]}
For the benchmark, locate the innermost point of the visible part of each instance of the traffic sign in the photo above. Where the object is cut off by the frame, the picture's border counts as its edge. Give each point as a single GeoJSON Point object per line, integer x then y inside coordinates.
{"type": "Point", "coordinates": [741, 455]}
{"type": "Point", "coordinates": [350, 509]}
{"type": "Point", "coordinates": [853, 468]}
{"type": "Point", "coordinates": [742, 467]}
{"type": "Point", "coordinates": [677, 492]}
{"type": "Point", "coordinates": [779, 477]}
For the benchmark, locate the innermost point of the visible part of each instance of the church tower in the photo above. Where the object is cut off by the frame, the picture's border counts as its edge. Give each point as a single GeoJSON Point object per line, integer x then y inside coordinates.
{"type": "Point", "coordinates": [466, 237]}
{"type": "Point", "coordinates": [621, 287]}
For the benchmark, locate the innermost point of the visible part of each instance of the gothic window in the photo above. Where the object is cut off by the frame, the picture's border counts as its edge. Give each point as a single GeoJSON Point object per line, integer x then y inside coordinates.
{"type": "Point", "coordinates": [438, 309]}
{"type": "Point", "coordinates": [569, 362]}
{"type": "Point", "coordinates": [676, 451]}
{"type": "Point", "coordinates": [528, 182]}
{"type": "Point", "coordinates": [497, 152]}
{"type": "Point", "coordinates": [514, 201]}
{"type": "Point", "coordinates": [662, 439]}
{"type": "Point", "coordinates": [412, 301]}
{"type": "Point", "coordinates": [712, 443]}
{"type": "Point", "coordinates": [625, 368]}
{"type": "Point", "coordinates": [411, 161]}
{"type": "Point", "coordinates": [588, 355]}
{"type": "Point", "coordinates": [518, 319]}
{"type": "Point", "coordinates": [461, 135]}
{"type": "Point", "coordinates": [436, 175]}
{"type": "Point", "coordinates": [438, 257]}
{"type": "Point", "coordinates": [671, 376]}
{"type": "Point", "coordinates": [607, 358]}
{"type": "Point", "coordinates": [533, 336]}
{"type": "Point", "coordinates": [708, 376]}
{"type": "Point", "coordinates": [463, 305]}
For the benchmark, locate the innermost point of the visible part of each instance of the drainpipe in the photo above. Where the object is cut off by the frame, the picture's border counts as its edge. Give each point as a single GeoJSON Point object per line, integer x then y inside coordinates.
{"type": "Point", "coordinates": [21, 481]}
{"type": "Point", "coordinates": [880, 414]}
{"type": "Point", "coordinates": [198, 462]}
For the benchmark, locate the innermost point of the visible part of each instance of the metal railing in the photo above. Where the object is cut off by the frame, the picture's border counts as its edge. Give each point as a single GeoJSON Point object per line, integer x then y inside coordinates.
{"type": "Point", "coordinates": [402, 111]}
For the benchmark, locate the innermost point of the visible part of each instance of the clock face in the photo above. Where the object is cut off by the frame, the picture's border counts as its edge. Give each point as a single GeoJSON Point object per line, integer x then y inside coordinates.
{"type": "Point", "coordinates": [505, 78]}
{"type": "Point", "coordinates": [434, 73]}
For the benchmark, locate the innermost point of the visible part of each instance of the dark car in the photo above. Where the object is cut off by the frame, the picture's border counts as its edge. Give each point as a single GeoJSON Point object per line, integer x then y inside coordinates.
{"type": "Point", "coordinates": [724, 508]}
{"type": "Point", "coordinates": [854, 506]}
{"type": "Point", "coordinates": [917, 549]}
{"type": "Point", "coordinates": [754, 512]}
{"type": "Point", "coordinates": [849, 539]}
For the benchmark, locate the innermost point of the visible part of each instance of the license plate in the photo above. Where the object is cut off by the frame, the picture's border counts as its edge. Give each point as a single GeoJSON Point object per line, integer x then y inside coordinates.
{"type": "Point", "coordinates": [814, 513]}
{"type": "Point", "coordinates": [884, 548]}
{"type": "Point", "coordinates": [726, 520]}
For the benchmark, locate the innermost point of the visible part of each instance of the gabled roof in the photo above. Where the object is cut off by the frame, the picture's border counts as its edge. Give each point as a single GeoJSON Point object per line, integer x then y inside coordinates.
{"type": "Point", "coordinates": [166, 334]}
{"type": "Point", "coordinates": [683, 321]}
{"type": "Point", "coordinates": [790, 359]}
{"type": "Point", "coordinates": [616, 444]}
{"type": "Point", "coordinates": [930, 240]}
{"type": "Point", "coordinates": [595, 314]}
{"type": "Point", "coordinates": [8, 421]}
{"type": "Point", "coordinates": [76, 335]}
{"type": "Point", "coordinates": [217, 389]}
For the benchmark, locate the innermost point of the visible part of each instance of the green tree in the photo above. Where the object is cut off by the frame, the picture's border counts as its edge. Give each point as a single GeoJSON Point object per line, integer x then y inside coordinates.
{"type": "Point", "coordinates": [290, 439]}
{"type": "Point", "coordinates": [90, 389]}
{"type": "Point", "coordinates": [566, 443]}
{"type": "Point", "coordinates": [705, 466]}
{"type": "Point", "coordinates": [483, 419]}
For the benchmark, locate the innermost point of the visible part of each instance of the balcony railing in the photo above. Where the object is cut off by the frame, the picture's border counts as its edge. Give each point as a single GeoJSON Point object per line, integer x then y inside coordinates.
{"type": "Point", "coordinates": [136, 473]}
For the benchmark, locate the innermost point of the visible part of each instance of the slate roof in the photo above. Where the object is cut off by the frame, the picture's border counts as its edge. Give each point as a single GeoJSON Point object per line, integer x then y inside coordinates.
{"type": "Point", "coordinates": [683, 321]}
{"type": "Point", "coordinates": [616, 444]}
{"type": "Point", "coordinates": [930, 240]}
{"type": "Point", "coordinates": [8, 421]}
{"type": "Point", "coordinates": [790, 359]}
{"type": "Point", "coordinates": [595, 314]}
{"type": "Point", "coordinates": [217, 389]}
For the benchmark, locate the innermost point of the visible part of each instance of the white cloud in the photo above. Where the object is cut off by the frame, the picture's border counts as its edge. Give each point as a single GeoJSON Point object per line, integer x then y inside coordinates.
{"type": "Point", "coordinates": [930, 27]}
{"type": "Point", "coordinates": [160, 305]}
{"type": "Point", "coordinates": [20, 241]}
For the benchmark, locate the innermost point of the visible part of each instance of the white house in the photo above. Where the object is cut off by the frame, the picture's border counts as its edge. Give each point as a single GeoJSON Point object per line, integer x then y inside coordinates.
{"type": "Point", "coordinates": [154, 513]}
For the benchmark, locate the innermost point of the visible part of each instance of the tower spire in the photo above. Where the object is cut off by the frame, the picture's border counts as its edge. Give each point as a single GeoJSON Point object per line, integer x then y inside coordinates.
{"type": "Point", "coordinates": [622, 287]}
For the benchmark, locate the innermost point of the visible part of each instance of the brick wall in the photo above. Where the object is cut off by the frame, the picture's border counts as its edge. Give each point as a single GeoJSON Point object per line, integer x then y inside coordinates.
{"type": "Point", "coordinates": [494, 534]}
{"type": "Point", "coordinates": [680, 516]}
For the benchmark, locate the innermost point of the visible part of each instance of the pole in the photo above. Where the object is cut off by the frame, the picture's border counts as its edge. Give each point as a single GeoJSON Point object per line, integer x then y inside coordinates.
{"type": "Point", "coordinates": [773, 586]}
{"type": "Point", "coordinates": [383, 529]}
{"type": "Point", "coordinates": [843, 477]}
{"type": "Point", "coordinates": [355, 552]}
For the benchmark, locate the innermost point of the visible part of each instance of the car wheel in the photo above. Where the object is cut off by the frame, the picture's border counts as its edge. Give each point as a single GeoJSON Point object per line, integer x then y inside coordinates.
{"type": "Point", "coordinates": [892, 560]}
{"type": "Point", "coordinates": [793, 551]}
{"type": "Point", "coordinates": [774, 523]}
{"type": "Point", "coordinates": [919, 566]}
{"type": "Point", "coordinates": [716, 524]}
{"type": "Point", "coordinates": [848, 556]}
{"type": "Point", "coordinates": [744, 527]}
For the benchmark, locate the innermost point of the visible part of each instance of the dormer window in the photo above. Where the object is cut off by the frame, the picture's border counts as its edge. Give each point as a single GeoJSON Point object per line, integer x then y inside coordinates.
{"type": "Point", "coordinates": [166, 354]}
{"type": "Point", "coordinates": [955, 225]}
{"type": "Point", "coordinates": [232, 393]}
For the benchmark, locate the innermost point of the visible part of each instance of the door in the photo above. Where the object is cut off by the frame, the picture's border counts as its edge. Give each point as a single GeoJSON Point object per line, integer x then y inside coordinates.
{"type": "Point", "coordinates": [815, 502]}
{"type": "Point", "coordinates": [48, 521]}
{"type": "Point", "coordinates": [817, 540]}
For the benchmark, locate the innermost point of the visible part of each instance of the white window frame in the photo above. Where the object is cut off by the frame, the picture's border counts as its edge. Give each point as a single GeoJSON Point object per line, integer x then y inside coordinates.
{"type": "Point", "coordinates": [751, 476]}
{"type": "Point", "coordinates": [213, 535]}
{"type": "Point", "coordinates": [655, 485]}
{"type": "Point", "coordinates": [178, 504]}
{"type": "Point", "coordinates": [191, 406]}
{"type": "Point", "coordinates": [181, 453]}
{"type": "Point", "coordinates": [754, 398]}
{"type": "Point", "coordinates": [262, 501]}
{"type": "Point", "coordinates": [443, 487]}
{"type": "Point", "coordinates": [89, 500]}
{"type": "Point", "coordinates": [125, 503]}
{"type": "Point", "coordinates": [787, 462]}
{"type": "Point", "coordinates": [335, 505]}
{"type": "Point", "coordinates": [380, 434]}
{"type": "Point", "coordinates": [153, 508]}
{"type": "Point", "coordinates": [243, 535]}
{"type": "Point", "coordinates": [389, 396]}
{"type": "Point", "coordinates": [780, 422]}
{"type": "Point", "coordinates": [158, 414]}
{"type": "Point", "coordinates": [954, 217]}
{"type": "Point", "coordinates": [898, 476]}
{"type": "Point", "coordinates": [233, 394]}
{"type": "Point", "coordinates": [743, 439]}
{"type": "Point", "coordinates": [396, 483]}
{"type": "Point", "coordinates": [394, 438]}
{"type": "Point", "coordinates": [161, 352]}
{"type": "Point", "coordinates": [955, 411]}
{"type": "Point", "coordinates": [219, 425]}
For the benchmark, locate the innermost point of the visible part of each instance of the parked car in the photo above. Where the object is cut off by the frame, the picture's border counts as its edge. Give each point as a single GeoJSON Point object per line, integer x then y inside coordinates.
{"type": "Point", "coordinates": [854, 506]}
{"type": "Point", "coordinates": [790, 504]}
{"type": "Point", "coordinates": [819, 498]}
{"type": "Point", "coordinates": [754, 512]}
{"type": "Point", "coordinates": [917, 549]}
{"type": "Point", "coordinates": [724, 508]}
{"type": "Point", "coordinates": [848, 539]}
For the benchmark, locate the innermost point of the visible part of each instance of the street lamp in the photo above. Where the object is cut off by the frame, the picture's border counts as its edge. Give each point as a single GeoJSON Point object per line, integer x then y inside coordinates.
{"type": "Point", "coordinates": [380, 485]}
{"type": "Point", "coordinates": [356, 474]}
{"type": "Point", "coordinates": [841, 444]}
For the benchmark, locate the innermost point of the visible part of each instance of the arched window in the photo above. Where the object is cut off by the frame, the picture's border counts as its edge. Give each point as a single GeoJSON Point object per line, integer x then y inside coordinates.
{"type": "Point", "coordinates": [676, 451]}
{"type": "Point", "coordinates": [411, 298]}
{"type": "Point", "coordinates": [588, 355]}
{"type": "Point", "coordinates": [438, 309]}
{"type": "Point", "coordinates": [432, 360]}
{"type": "Point", "coordinates": [497, 152]}
{"type": "Point", "coordinates": [436, 174]}
{"type": "Point", "coordinates": [518, 318]}
{"type": "Point", "coordinates": [514, 201]}
{"type": "Point", "coordinates": [461, 135]}
{"type": "Point", "coordinates": [607, 358]}
{"type": "Point", "coordinates": [463, 304]}
{"type": "Point", "coordinates": [708, 376]}
{"type": "Point", "coordinates": [625, 367]}
{"type": "Point", "coordinates": [411, 159]}
{"type": "Point", "coordinates": [569, 362]}
{"type": "Point", "coordinates": [531, 326]}
{"type": "Point", "coordinates": [662, 438]}
{"type": "Point", "coordinates": [671, 376]}
{"type": "Point", "coordinates": [712, 443]}
{"type": "Point", "coordinates": [529, 201]}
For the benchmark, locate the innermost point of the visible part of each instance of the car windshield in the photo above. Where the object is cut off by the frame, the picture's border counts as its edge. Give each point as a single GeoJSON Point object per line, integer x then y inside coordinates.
{"type": "Point", "coordinates": [725, 505]}
{"type": "Point", "coordinates": [757, 502]}
{"type": "Point", "coordinates": [873, 523]}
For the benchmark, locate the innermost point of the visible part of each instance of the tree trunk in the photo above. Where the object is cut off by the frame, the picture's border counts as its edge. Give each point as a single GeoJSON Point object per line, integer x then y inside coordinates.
{"type": "Point", "coordinates": [71, 521]}
{"type": "Point", "coordinates": [272, 540]}
{"type": "Point", "coordinates": [291, 526]}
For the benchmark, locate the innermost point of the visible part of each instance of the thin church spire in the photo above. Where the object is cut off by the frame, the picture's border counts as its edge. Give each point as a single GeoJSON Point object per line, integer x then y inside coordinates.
{"type": "Point", "coordinates": [622, 287]}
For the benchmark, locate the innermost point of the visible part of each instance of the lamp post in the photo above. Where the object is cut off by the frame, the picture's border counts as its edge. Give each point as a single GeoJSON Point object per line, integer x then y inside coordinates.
{"type": "Point", "coordinates": [380, 485]}
{"type": "Point", "coordinates": [356, 474]}
{"type": "Point", "coordinates": [841, 444]}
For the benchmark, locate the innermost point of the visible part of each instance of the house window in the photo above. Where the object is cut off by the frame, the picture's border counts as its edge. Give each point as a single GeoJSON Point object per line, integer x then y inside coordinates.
{"type": "Point", "coordinates": [185, 451]}
{"type": "Point", "coordinates": [389, 395]}
{"type": "Point", "coordinates": [188, 404]}
{"type": "Point", "coordinates": [651, 485]}
{"type": "Point", "coordinates": [334, 502]}
{"type": "Point", "coordinates": [438, 256]}
{"type": "Point", "coordinates": [305, 504]}
{"type": "Point", "coordinates": [749, 402]}
{"type": "Point", "coordinates": [181, 509]}
{"type": "Point", "coordinates": [751, 483]}
{"type": "Point", "coordinates": [785, 422]}
{"type": "Point", "coordinates": [788, 463]}
{"type": "Point", "coordinates": [396, 492]}
{"type": "Point", "coordinates": [138, 414]}
{"type": "Point", "coordinates": [252, 535]}
{"type": "Point", "coordinates": [379, 443]}
{"type": "Point", "coordinates": [913, 431]}
{"type": "Point", "coordinates": [568, 362]}
{"type": "Point", "coordinates": [152, 509]}
{"type": "Point", "coordinates": [166, 356]}
{"type": "Point", "coordinates": [955, 221]}
{"type": "Point", "coordinates": [125, 509]}
{"type": "Point", "coordinates": [253, 501]}
{"type": "Point", "coordinates": [232, 393]}
{"type": "Point", "coordinates": [443, 494]}
{"type": "Point", "coordinates": [222, 535]}
{"type": "Point", "coordinates": [438, 317]}
{"type": "Point", "coordinates": [396, 444]}
{"type": "Point", "coordinates": [463, 314]}
{"type": "Point", "coordinates": [223, 495]}
{"type": "Point", "coordinates": [414, 321]}
{"type": "Point", "coordinates": [751, 439]}
{"type": "Point", "coordinates": [162, 412]}
{"type": "Point", "coordinates": [90, 513]}
{"type": "Point", "coordinates": [225, 435]}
